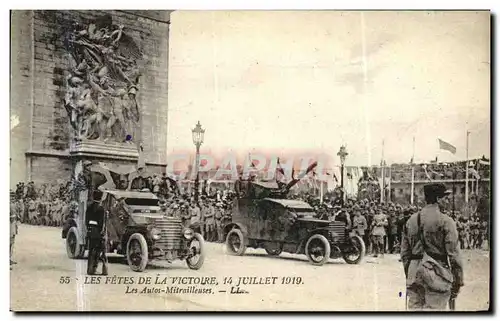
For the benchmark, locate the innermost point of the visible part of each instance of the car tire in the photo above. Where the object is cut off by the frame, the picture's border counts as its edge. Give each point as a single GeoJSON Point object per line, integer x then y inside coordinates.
{"type": "Point", "coordinates": [232, 236]}
{"type": "Point", "coordinates": [361, 250]}
{"type": "Point", "coordinates": [199, 263]}
{"type": "Point", "coordinates": [321, 241]}
{"type": "Point", "coordinates": [73, 247]}
{"type": "Point", "coordinates": [137, 261]}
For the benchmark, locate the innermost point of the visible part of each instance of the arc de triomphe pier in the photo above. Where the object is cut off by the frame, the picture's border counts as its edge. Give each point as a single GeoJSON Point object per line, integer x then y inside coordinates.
{"type": "Point", "coordinates": [87, 84]}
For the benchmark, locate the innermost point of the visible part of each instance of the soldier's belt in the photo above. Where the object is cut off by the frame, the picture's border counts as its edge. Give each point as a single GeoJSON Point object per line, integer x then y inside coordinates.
{"type": "Point", "coordinates": [437, 257]}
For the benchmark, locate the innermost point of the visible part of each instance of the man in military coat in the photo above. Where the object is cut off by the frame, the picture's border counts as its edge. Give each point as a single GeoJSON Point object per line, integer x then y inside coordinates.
{"type": "Point", "coordinates": [439, 239]}
{"type": "Point", "coordinates": [379, 223]}
{"type": "Point", "coordinates": [14, 218]}
{"type": "Point", "coordinates": [96, 232]}
{"type": "Point", "coordinates": [359, 223]}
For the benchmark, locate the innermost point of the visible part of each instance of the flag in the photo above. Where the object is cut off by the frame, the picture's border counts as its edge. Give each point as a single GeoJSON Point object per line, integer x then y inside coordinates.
{"type": "Point", "coordinates": [484, 162]}
{"type": "Point", "coordinates": [280, 169]}
{"type": "Point", "coordinates": [280, 173]}
{"type": "Point", "coordinates": [424, 166]}
{"type": "Point", "coordinates": [447, 146]}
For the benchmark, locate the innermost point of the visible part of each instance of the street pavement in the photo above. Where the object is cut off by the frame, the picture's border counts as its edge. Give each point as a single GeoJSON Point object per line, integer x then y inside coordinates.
{"type": "Point", "coordinates": [45, 279]}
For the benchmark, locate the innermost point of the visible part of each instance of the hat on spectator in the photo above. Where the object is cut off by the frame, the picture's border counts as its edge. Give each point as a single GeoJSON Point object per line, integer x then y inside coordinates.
{"type": "Point", "coordinates": [436, 189]}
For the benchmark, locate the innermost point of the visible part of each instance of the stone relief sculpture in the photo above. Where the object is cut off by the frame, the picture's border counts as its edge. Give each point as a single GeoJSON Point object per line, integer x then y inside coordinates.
{"type": "Point", "coordinates": [102, 84]}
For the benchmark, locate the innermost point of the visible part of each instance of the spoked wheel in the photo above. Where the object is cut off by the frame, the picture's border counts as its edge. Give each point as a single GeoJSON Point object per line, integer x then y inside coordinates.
{"type": "Point", "coordinates": [74, 250]}
{"type": "Point", "coordinates": [356, 252]}
{"type": "Point", "coordinates": [196, 255]}
{"type": "Point", "coordinates": [235, 242]}
{"type": "Point", "coordinates": [137, 252]}
{"type": "Point", "coordinates": [318, 249]}
{"type": "Point", "coordinates": [274, 249]}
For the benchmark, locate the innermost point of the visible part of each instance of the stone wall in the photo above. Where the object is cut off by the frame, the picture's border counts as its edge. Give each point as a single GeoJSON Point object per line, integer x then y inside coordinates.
{"type": "Point", "coordinates": [21, 93]}
{"type": "Point", "coordinates": [39, 64]}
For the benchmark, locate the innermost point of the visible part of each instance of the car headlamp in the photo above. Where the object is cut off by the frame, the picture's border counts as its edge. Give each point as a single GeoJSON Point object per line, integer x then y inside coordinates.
{"type": "Point", "coordinates": [155, 233]}
{"type": "Point", "coordinates": [188, 234]}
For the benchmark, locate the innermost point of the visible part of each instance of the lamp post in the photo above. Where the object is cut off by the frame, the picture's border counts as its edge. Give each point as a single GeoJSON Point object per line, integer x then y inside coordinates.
{"type": "Point", "coordinates": [198, 134]}
{"type": "Point", "coordinates": [342, 154]}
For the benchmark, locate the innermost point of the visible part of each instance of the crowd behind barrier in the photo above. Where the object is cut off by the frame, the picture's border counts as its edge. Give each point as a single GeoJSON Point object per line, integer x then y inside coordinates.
{"type": "Point", "coordinates": [50, 205]}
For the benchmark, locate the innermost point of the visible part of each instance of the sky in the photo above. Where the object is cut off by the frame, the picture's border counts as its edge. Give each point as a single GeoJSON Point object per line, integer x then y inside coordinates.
{"type": "Point", "coordinates": [305, 82]}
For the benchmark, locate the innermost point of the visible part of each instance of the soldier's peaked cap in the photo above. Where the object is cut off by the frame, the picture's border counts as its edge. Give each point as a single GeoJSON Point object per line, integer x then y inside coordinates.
{"type": "Point", "coordinates": [436, 189]}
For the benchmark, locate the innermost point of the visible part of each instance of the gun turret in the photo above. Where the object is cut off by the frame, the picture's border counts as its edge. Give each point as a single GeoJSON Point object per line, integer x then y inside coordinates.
{"type": "Point", "coordinates": [272, 189]}
{"type": "Point", "coordinates": [282, 192]}
{"type": "Point", "coordinates": [302, 175]}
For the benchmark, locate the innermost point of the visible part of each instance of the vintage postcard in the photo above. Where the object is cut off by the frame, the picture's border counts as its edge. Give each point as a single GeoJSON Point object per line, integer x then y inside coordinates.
{"type": "Point", "coordinates": [249, 160]}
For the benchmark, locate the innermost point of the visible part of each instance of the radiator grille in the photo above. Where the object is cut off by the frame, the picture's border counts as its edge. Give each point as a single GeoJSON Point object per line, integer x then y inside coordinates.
{"type": "Point", "coordinates": [171, 233]}
{"type": "Point", "coordinates": [337, 230]}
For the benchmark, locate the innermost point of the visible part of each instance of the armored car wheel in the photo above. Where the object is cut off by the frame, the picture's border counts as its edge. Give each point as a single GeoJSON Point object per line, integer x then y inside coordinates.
{"type": "Point", "coordinates": [318, 249]}
{"type": "Point", "coordinates": [73, 248]}
{"type": "Point", "coordinates": [137, 252]}
{"type": "Point", "coordinates": [235, 242]}
{"type": "Point", "coordinates": [357, 250]}
{"type": "Point", "coordinates": [196, 255]}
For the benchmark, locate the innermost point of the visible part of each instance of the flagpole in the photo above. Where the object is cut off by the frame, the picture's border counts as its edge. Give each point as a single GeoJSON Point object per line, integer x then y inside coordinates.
{"type": "Point", "coordinates": [412, 189]}
{"type": "Point", "coordinates": [382, 163]}
{"type": "Point", "coordinates": [321, 191]}
{"type": "Point", "coordinates": [365, 80]}
{"type": "Point", "coordinates": [413, 151]}
{"type": "Point", "coordinates": [477, 180]}
{"type": "Point", "coordinates": [412, 183]}
{"type": "Point", "coordinates": [467, 169]}
{"type": "Point", "coordinates": [389, 184]}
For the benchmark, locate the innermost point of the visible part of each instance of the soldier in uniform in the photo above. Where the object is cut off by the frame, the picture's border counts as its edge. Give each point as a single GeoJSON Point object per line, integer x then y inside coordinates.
{"type": "Point", "coordinates": [185, 213]}
{"type": "Point", "coordinates": [219, 214]}
{"type": "Point", "coordinates": [393, 238]}
{"type": "Point", "coordinates": [31, 191]}
{"type": "Point", "coordinates": [95, 221]}
{"type": "Point", "coordinates": [343, 216]}
{"type": "Point", "coordinates": [359, 224]}
{"type": "Point", "coordinates": [32, 213]}
{"type": "Point", "coordinates": [203, 210]}
{"type": "Point", "coordinates": [378, 233]}
{"type": "Point", "coordinates": [196, 223]}
{"type": "Point", "coordinates": [86, 178]}
{"type": "Point", "coordinates": [14, 217]}
{"type": "Point", "coordinates": [461, 232]}
{"type": "Point", "coordinates": [369, 220]}
{"type": "Point", "coordinates": [437, 237]}
{"type": "Point", "coordinates": [210, 222]}
{"type": "Point", "coordinates": [474, 228]}
{"type": "Point", "coordinates": [484, 229]}
{"type": "Point", "coordinates": [20, 209]}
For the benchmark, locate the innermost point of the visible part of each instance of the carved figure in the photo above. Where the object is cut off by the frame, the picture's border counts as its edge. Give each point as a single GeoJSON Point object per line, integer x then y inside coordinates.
{"type": "Point", "coordinates": [102, 85]}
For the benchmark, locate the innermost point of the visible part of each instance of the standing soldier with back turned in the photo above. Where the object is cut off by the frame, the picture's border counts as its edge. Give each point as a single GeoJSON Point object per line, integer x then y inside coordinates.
{"type": "Point", "coordinates": [430, 255]}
